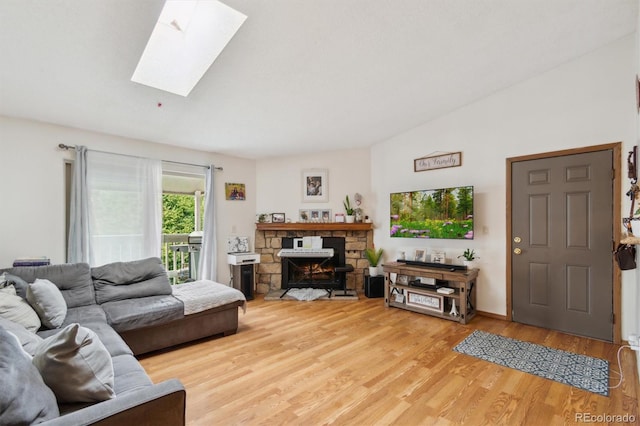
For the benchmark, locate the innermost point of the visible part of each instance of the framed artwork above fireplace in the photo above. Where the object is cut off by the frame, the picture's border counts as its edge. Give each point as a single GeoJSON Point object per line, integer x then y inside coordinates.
{"type": "Point", "coordinates": [315, 186]}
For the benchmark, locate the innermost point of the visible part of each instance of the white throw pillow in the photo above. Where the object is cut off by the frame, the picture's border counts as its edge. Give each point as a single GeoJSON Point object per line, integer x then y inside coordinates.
{"type": "Point", "coordinates": [16, 309]}
{"type": "Point", "coordinates": [76, 365]}
{"type": "Point", "coordinates": [46, 299]}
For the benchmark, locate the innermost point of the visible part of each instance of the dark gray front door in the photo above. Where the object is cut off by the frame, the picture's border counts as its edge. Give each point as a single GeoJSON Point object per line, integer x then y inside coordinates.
{"type": "Point", "coordinates": [562, 233]}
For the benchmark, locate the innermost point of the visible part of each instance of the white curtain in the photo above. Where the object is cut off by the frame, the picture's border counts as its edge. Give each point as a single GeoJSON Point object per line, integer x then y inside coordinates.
{"type": "Point", "coordinates": [124, 208]}
{"type": "Point", "coordinates": [78, 247]}
{"type": "Point", "coordinates": [207, 267]}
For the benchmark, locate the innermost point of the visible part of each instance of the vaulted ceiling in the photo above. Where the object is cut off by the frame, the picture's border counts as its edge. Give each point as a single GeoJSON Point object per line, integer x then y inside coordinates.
{"type": "Point", "coordinates": [300, 75]}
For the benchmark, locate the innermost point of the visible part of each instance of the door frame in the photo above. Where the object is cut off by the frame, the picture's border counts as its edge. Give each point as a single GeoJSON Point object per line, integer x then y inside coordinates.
{"type": "Point", "coordinates": [616, 149]}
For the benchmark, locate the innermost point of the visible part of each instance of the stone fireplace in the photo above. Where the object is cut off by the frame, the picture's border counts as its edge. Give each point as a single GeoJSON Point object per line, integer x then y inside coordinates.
{"type": "Point", "coordinates": [268, 242]}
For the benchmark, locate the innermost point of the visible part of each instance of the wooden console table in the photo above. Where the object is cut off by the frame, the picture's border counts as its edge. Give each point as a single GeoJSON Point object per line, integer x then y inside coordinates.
{"type": "Point", "coordinates": [398, 293]}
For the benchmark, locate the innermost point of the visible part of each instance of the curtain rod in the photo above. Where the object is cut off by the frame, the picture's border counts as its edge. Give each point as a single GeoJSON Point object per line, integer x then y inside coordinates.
{"type": "Point", "coordinates": [67, 147]}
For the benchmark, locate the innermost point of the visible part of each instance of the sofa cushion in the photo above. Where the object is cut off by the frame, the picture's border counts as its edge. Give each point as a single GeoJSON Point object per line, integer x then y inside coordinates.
{"type": "Point", "coordinates": [129, 374]}
{"type": "Point", "coordinates": [25, 399]}
{"type": "Point", "coordinates": [73, 280]}
{"type": "Point", "coordinates": [85, 315]}
{"type": "Point", "coordinates": [130, 314]}
{"type": "Point", "coordinates": [46, 299]}
{"type": "Point", "coordinates": [127, 280]}
{"type": "Point", "coordinates": [75, 365]}
{"type": "Point", "coordinates": [16, 309]}
{"type": "Point", "coordinates": [28, 339]}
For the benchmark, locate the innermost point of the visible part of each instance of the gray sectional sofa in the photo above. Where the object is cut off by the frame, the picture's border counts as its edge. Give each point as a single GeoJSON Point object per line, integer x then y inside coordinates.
{"type": "Point", "coordinates": [100, 319]}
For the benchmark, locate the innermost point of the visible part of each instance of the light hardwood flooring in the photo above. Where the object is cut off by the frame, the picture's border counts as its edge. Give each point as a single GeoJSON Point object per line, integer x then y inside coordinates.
{"type": "Point", "coordinates": [359, 363]}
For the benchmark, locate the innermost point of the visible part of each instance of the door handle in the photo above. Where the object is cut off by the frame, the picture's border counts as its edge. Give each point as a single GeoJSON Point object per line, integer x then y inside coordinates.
{"type": "Point", "coordinates": [517, 250]}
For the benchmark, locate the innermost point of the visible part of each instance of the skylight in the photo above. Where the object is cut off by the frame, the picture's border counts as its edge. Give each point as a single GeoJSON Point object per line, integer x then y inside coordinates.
{"type": "Point", "coordinates": [188, 37]}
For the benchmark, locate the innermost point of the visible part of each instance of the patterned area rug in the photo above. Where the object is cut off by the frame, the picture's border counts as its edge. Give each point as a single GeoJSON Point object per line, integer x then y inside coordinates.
{"type": "Point", "coordinates": [580, 371]}
{"type": "Point", "coordinates": [309, 294]}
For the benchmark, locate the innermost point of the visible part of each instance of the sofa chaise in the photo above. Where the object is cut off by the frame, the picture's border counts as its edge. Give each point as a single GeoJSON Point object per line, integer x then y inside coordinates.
{"type": "Point", "coordinates": [103, 316]}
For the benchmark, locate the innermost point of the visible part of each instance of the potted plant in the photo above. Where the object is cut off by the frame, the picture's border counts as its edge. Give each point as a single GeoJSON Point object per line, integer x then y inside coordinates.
{"type": "Point", "coordinates": [469, 256]}
{"type": "Point", "coordinates": [349, 210]}
{"type": "Point", "coordinates": [373, 257]}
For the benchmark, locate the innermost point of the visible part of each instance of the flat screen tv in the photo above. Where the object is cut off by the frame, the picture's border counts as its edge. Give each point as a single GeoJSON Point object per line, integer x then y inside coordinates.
{"type": "Point", "coordinates": [445, 213]}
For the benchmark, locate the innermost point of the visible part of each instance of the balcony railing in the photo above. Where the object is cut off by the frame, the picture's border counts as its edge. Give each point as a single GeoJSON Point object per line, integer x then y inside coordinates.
{"type": "Point", "coordinates": [176, 257]}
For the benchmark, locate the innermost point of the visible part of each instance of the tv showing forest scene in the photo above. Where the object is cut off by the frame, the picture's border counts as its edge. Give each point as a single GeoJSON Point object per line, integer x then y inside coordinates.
{"type": "Point", "coordinates": [433, 214]}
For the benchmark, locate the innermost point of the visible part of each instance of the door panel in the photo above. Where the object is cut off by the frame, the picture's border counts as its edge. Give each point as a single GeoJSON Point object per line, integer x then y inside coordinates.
{"type": "Point", "coordinates": [562, 211]}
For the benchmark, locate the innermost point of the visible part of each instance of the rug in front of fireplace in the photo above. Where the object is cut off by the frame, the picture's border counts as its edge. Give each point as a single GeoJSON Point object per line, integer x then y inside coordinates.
{"type": "Point", "coordinates": [309, 294]}
{"type": "Point", "coordinates": [580, 371]}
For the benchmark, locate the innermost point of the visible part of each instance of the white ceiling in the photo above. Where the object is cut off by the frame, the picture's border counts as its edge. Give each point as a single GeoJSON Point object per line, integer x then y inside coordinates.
{"type": "Point", "coordinates": [300, 75]}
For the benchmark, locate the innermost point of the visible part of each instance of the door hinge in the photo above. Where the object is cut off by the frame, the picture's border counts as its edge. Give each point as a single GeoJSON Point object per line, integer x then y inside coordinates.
{"type": "Point", "coordinates": [613, 318]}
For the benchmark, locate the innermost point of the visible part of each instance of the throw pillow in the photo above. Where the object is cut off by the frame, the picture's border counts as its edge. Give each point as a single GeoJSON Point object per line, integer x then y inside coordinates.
{"type": "Point", "coordinates": [8, 289]}
{"type": "Point", "coordinates": [76, 365]}
{"type": "Point", "coordinates": [20, 284]}
{"type": "Point", "coordinates": [24, 399]}
{"type": "Point", "coordinates": [16, 309]}
{"type": "Point", "coordinates": [28, 340]}
{"type": "Point", "coordinates": [46, 299]}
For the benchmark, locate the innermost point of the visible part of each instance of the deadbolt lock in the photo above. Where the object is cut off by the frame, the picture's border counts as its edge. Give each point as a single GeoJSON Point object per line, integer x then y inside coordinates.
{"type": "Point", "coordinates": [517, 250]}
{"type": "Point", "coordinates": [517, 240]}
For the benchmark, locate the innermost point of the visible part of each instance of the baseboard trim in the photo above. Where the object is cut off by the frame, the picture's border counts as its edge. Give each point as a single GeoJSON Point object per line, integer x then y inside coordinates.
{"type": "Point", "coordinates": [492, 315]}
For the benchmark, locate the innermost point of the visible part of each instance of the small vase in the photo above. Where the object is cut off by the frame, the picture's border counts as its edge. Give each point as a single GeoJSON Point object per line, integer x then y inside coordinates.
{"type": "Point", "coordinates": [350, 218]}
{"type": "Point", "coordinates": [373, 271]}
{"type": "Point", "coordinates": [470, 264]}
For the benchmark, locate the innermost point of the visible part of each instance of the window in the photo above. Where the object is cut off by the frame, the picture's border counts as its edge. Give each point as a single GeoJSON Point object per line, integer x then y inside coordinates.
{"type": "Point", "coordinates": [182, 205]}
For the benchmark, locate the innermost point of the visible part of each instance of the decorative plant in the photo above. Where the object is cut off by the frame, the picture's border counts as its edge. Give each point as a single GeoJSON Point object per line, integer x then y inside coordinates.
{"type": "Point", "coordinates": [262, 217]}
{"type": "Point", "coordinates": [347, 206]}
{"type": "Point", "coordinates": [373, 256]}
{"type": "Point", "coordinates": [469, 254]}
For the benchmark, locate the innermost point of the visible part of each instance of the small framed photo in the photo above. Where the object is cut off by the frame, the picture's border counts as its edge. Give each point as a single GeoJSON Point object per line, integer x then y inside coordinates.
{"type": "Point", "coordinates": [315, 215]}
{"type": "Point", "coordinates": [419, 255]}
{"type": "Point", "coordinates": [303, 215]}
{"type": "Point", "coordinates": [438, 257]}
{"type": "Point", "coordinates": [277, 217]}
{"type": "Point", "coordinates": [325, 215]}
{"type": "Point", "coordinates": [339, 218]}
{"type": "Point", "coordinates": [234, 191]}
{"type": "Point", "coordinates": [315, 186]}
{"type": "Point", "coordinates": [425, 301]}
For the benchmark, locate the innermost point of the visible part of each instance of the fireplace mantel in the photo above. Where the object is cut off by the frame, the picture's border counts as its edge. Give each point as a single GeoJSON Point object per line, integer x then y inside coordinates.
{"type": "Point", "coordinates": [310, 226]}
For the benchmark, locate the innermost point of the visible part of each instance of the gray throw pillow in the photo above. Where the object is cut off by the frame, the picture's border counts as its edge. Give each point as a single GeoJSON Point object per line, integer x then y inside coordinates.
{"type": "Point", "coordinates": [16, 309]}
{"type": "Point", "coordinates": [24, 398]}
{"type": "Point", "coordinates": [20, 284]}
{"type": "Point", "coordinates": [28, 340]}
{"type": "Point", "coordinates": [46, 299]}
{"type": "Point", "coordinates": [76, 365]}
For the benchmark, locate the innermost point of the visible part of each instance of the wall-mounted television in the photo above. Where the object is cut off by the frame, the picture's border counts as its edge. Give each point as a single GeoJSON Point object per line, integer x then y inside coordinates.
{"type": "Point", "coordinates": [445, 213]}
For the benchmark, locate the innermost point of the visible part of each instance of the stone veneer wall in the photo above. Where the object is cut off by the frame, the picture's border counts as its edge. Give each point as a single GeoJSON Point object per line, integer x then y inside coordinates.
{"type": "Point", "coordinates": [268, 243]}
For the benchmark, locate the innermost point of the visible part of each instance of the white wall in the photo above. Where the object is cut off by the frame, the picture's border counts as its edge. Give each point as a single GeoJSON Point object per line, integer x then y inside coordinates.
{"type": "Point", "coordinates": [32, 198]}
{"type": "Point", "coordinates": [279, 181]}
{"type": "Point", "coordinates": [586, 102]}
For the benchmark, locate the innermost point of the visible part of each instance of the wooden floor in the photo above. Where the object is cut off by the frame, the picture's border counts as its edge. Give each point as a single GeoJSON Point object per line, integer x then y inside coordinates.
{"type": "Point", "coordinates": [359, 363]}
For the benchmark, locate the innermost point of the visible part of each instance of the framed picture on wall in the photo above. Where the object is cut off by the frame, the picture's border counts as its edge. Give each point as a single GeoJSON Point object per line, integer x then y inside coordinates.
{"type": "Point", "coordinates": [315, 186]}
{"type": "Point", "coordinates": [234, 191]}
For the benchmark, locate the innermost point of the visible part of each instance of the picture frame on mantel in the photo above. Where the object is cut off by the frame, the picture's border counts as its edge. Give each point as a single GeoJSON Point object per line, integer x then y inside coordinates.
{"type": "Point", "coordinates": [315, 186]}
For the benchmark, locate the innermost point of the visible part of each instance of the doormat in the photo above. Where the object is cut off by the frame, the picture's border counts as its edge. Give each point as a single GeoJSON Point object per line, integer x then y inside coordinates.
{"type": "Point", "coordinates": [309, 294]}
{"type": "Point", "coordinates": [580, 371]}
